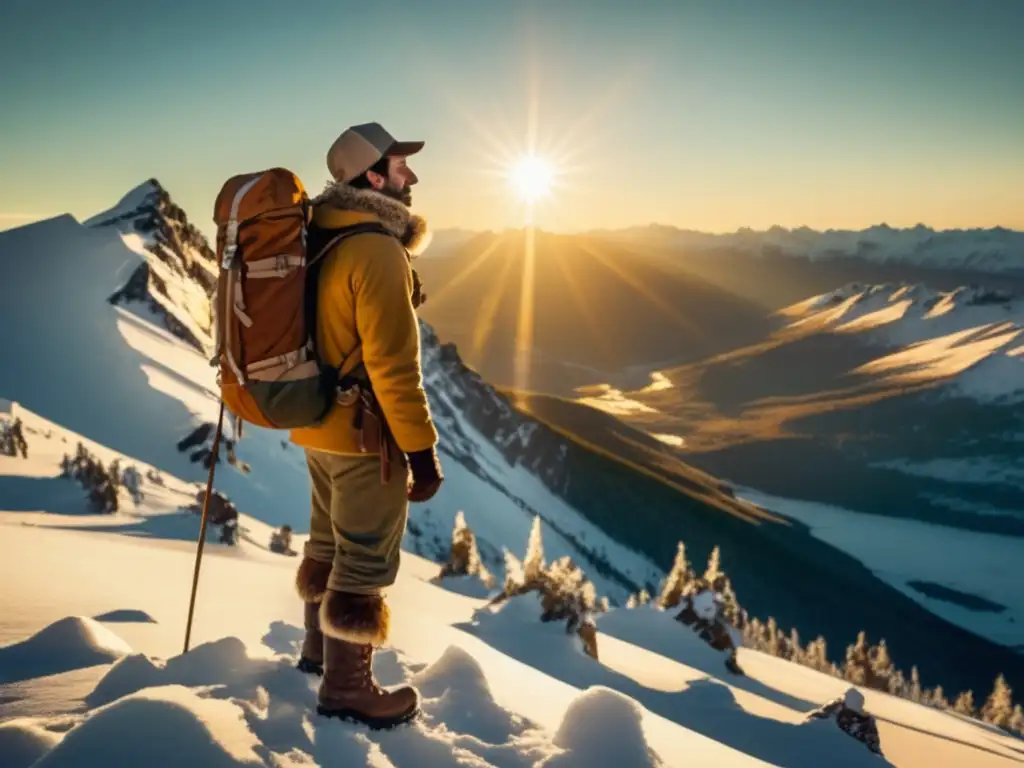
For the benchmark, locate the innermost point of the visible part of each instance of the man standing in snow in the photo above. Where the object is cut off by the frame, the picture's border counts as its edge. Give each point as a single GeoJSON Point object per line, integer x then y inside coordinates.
{"type": "Point", "coordinates": [367, 328]}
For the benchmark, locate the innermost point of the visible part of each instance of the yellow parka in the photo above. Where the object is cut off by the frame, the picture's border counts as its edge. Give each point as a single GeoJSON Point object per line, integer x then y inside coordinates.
{"type": "Point", "coordinates": [365, 297]}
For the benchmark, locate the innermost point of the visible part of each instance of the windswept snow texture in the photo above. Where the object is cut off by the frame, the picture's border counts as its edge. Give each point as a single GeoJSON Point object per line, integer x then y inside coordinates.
{"type": "Point", "coordinates": [974, 337]}
{"type": "Point", "coordinates": [71, 643]}
{"type": "Point", "coordinates": [499, 688]}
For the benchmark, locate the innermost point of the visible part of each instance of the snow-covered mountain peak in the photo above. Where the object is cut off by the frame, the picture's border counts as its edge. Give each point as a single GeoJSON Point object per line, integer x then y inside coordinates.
{"type": "Point", "coordinates": [968, 337]}
{"type": "Point", "coordinates": [917, 297]}
{"type": "Point", "coordinates": [178, 275]}
{"type": "Point", "coordinates": [995, 250]}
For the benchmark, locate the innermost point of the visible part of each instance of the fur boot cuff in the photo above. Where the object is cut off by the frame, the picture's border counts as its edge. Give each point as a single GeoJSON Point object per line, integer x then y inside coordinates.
{"type": "Point", "coordinates": [311, 580]}
{"type": "Point", "coordinates": [360, 619]}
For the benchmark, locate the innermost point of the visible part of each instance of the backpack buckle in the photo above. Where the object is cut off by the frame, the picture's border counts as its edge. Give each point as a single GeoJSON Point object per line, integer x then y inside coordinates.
{"type": "Point", "coordinates": [230, 243]}
{"type": "Point", "coordinates": [229, 256]}
{"type": "Point", "coordinates": [348, 396]}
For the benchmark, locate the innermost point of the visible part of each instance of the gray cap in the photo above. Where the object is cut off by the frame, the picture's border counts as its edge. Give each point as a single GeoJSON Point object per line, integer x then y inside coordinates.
{"type": "Point", "coordinates": [361, 146]}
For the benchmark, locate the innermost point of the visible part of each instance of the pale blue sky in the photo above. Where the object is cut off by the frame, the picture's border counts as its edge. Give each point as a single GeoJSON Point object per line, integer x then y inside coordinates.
{"type": "Point", "coordinates": [710, 115]}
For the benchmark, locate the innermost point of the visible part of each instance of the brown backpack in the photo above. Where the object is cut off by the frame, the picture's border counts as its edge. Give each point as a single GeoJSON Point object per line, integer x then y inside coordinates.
{"type": "Point", "coordinates": [265, 305]}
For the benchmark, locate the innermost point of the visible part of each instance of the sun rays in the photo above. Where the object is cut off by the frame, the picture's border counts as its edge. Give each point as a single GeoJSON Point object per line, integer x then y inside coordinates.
{"type": "Point", "coordinates": [536, 166]}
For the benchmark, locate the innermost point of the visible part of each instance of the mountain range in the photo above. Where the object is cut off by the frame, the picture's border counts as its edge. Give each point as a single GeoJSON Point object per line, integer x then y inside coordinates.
{"type": "Point", "coordinates": [132, 287]}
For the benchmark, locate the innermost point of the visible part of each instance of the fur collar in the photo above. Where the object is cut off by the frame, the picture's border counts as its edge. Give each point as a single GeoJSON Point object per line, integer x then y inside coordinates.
{"type": "Point", "coordinates": [411, 229]}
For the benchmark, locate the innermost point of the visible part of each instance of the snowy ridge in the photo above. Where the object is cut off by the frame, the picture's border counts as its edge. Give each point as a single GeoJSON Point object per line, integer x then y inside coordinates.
{"type": "Point", "coordinates": [178, 275]}
{"type": "Point", "coordinates": [172, 390]}
{"type": "Point", "coordinates": [971, 336]}
{"type": "Point", "coordinates": [996, 250]}
{"type": "Point", "coordinates": [522, 460]}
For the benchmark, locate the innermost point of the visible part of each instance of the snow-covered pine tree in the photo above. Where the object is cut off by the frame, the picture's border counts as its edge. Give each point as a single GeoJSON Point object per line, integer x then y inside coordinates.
{"type": "Point", "coordinates": [533, 562]}
{"type": "Point", "coordinates": [677, 580]}
{"type": "Point", "coordinates": [998, 707]}
{"type": "Point", "coordinates": [881, 666]}
{"type": "Point", "coordinates": [857, 667]}
{"type": "Point", "coordinates": [588, 595]}
{"type": "Point", "coordinates": [731, 610]}
{"type": "Point", "coordinates": [796, 650]}
{"type": "Point", "coordinates": [937, 698]}
{"type": "Point", "coordinates": [897, 684]}
{"type": "Point", "coordinates": [914, 687]}
{"type": "Point", "coordinates": [514, 576]}
{"type": "Point", "coordinates": [964, 704]}
{"type": "Point", "coordinates": [815, 655]}
{"type": "Point", "coordinates": [775, 638]}
{"type": "Point", "coordinates": [752, 634]}
{"type": "Point", "coordinates": [714, 569]}
{"type": "Point", "coordinates": [464, 556]}
{"type": "Point", "coordinates": [131, 479]}
{"type": "Point", "coordinates": [114, 473]}
{"type": "Point", "coordinates": [1017, 720]}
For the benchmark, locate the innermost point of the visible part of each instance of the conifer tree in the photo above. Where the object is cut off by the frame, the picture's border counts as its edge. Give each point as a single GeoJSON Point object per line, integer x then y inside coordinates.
{"type": "Point", "coordinates": [816, 656]}
{"type": "Point", "coordinates": [533, 562]}
{"type": "Point", "coordinates": [731, 610]}
{"type": "Point", "coordinates": [514, 576]}
{"type": "Point", "coordinates": [964, 704]}
{"type": "Point", "coordinates": [464, 557]}
{"type": "Point", "coordinates": [937, 698]}
{"type": "Point", "coordinates": [677, 580]}
{"type": "Point", "coordinates": [774, 637]}
{"type": "Point", "coordinates": [896, 684]}
{"type": "Point", "coordinates": [857, 666]}
{"type": "Point", "coordinates": [1017, 720]}
{"type": "Point", "coordinates": [998, 708]}
{"type": "Point", "coordinates": [881, 666]}
{"type": "Point", "coordinates": [914, 689]}
{"type": "Point", "coordinates": [796, 650]}
{"type": "Point", "coordinates": [714, 569]}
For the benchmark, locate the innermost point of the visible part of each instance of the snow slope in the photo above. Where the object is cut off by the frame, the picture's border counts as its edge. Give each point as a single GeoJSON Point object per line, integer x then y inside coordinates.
{"type": "Point", "coordinates": [147, 388]}
{"type": "Point", "coordinates": [971, 336]}
{"type": "Point", "coordinates": [902, 552]}
{"type": "Point", "coordinates": [91, 672]}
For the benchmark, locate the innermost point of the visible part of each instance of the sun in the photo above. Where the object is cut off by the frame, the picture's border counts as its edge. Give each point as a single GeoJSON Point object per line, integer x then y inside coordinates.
{"type": "Point", "coordinates": [532, 177]}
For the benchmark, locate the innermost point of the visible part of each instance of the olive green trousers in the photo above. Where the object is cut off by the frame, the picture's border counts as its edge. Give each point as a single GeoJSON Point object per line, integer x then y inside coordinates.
{"type": "Point", "coordinates": [356, 522]}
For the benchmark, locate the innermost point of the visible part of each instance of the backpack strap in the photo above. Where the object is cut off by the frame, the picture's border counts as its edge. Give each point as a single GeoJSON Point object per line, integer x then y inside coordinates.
{"type": "Point", "coordinates": [343, 233]}
{"type": "Point", "coordinates": [337, 236]}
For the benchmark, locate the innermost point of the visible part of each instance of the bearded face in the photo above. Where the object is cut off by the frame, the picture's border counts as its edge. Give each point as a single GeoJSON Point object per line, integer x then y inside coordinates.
{"type": "Point", "coordinates": [397, 190]}
{"type": "Point", "coordinates": [398, 183]}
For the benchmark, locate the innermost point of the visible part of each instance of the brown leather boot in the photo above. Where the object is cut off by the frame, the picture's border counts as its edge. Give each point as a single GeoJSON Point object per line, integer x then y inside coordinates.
{"type": "Point", "coordinates": [312, 659]}
{"type": "Point", "coordinates": [352, 626]}
{"type": "Point", "coordinates": [311, 583]}
{"type": "Point", "coordinates": [350, 692]}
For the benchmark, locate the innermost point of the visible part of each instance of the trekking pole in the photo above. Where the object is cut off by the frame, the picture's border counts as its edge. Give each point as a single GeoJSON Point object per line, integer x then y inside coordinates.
{"type": "Point", "coordinates": [202, 524]}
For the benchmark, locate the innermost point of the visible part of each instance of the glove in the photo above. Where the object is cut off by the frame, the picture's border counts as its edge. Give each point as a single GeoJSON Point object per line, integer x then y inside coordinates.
{"type": "Point", "coordinates": [419, 296]}
{"type": "Point", "coordinates": [426, 475]}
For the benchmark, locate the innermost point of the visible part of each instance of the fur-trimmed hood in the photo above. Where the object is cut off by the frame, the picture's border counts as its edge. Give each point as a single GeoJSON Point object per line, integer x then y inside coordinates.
{"type": "Point", "coordinates": [410, 228]}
